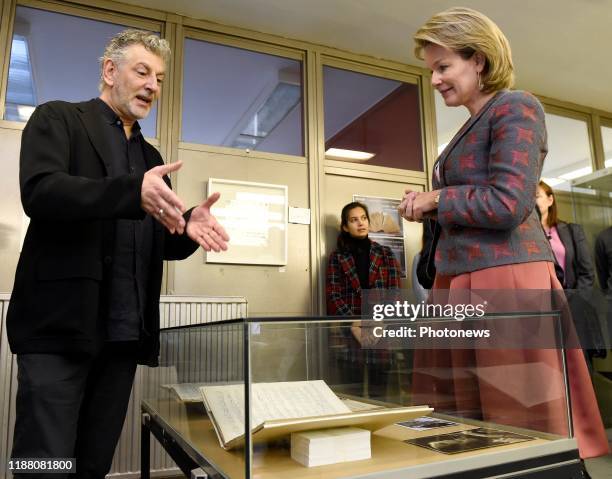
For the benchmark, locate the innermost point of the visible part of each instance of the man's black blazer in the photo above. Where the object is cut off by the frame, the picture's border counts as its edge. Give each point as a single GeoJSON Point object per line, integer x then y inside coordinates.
{"type": "Point", "coordinates": [69, 191]}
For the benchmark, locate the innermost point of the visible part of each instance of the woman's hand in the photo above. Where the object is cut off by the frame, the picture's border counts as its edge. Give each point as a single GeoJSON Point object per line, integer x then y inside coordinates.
{"type": "Point", "coordinates": [417, 204]}
{"type": "Point", "coordinates": [405, 207]}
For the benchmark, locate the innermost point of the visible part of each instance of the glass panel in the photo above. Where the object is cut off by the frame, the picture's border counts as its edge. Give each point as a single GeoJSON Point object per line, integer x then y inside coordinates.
{"type": "Point", "coordinates": [306, 375]}
{"type": "Point", "coordinates": [569, 151]}
{"type": "Point", "coordinates": [371, 120]}
{"type": "Point", "coordinates": [192, 357]}
{"type": "Point", "coordinates": [48, 64]}
{"type": "Point", "coordinates": [20, 98]}
{"type": "Point", "coordinates": [241, 99]}
{"type": "Point", "coordinates": [606, 134]}
{"type": "Point", "coordinates": [591, 201]}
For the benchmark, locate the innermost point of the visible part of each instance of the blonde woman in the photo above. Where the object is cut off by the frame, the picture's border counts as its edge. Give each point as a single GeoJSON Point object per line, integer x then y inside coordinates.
{"type": "Point", "coordinates": [484, 186]}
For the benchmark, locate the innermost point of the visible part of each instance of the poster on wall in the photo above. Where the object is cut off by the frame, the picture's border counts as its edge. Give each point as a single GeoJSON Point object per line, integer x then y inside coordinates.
{"type": "Point", "coordinates": [255, 217]}
{"type": "Point", "coordinates": [386, 225]}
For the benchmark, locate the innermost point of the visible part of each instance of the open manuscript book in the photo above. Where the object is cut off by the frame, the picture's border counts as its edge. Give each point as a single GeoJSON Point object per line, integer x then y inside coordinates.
{"type": "Point", "coordinates": [278, 409]}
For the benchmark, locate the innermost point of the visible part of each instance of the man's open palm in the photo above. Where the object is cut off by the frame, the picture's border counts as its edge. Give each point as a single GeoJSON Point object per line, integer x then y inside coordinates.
{"type": "Point", "coordinates": [204, 229]}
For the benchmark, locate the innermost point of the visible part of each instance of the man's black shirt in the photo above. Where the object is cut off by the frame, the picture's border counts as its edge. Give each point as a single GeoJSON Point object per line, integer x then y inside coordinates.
{"type": "Point", "coordinates": [133, 238]}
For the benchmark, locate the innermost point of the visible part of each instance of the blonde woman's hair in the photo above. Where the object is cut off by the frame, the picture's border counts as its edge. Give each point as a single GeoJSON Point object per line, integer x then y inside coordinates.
{"type": "Point", "coordinates": [466, 32]}
{"type": "Point", "coordinates": [116, 47]}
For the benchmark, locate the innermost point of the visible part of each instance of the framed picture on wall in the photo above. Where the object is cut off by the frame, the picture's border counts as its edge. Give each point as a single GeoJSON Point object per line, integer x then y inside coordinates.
{"type": "Point", "coordinates": [386, 225]}
{"type": "Point", "coordinates": [255, 217]}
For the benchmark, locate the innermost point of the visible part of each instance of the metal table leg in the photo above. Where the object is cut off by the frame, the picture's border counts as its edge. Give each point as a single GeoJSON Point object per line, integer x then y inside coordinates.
{"type": "Point", "coordinates": [145, 447]}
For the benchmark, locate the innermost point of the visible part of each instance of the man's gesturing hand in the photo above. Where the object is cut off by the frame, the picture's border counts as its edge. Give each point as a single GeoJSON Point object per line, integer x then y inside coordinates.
{"type": "Point", "coordinates": [157, 199]}
{"type": "Point", "coordinates": [204, 229]}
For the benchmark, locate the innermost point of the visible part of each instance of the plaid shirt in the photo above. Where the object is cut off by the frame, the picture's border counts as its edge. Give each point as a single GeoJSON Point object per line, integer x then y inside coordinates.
{"type": "Point", "coordinates": [342, 286]}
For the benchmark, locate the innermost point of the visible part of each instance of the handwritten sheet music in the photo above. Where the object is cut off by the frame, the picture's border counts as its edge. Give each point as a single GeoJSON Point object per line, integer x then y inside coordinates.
{"type": "Point", "coordinates": [187, 392]}
{"type": "Point", "coordinates": [281, 400]}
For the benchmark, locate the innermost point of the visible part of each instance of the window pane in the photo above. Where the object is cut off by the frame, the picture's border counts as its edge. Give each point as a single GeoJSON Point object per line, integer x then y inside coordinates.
{"type": "Point", "coordinates": [606, 134]}
{"type": "Point", "coordinates": [376, 117]}
{"type": "Point", "coordinates": [569, 151]}
{"type": "Point", "coordinates": [48, 64]}
{"type": "Point", "coordinates": [241, 99]}
{"type": "Point", "coordinates": [20, 98]}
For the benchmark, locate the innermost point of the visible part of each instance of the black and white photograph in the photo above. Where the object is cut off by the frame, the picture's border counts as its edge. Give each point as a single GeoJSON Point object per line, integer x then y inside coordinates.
{"type": "Point", "coordinates": [471, 440]}
{"type": "Point", "coordinates": [426, 423]}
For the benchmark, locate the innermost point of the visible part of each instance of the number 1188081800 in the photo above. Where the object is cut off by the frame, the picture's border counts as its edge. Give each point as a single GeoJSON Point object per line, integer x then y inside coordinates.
{"type": "Point", "coordinates": [38, 465]}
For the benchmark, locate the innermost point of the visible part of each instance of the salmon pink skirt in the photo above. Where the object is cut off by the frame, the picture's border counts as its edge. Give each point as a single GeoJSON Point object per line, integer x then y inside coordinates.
{"type": "Point", "coordinates": [521, 388]}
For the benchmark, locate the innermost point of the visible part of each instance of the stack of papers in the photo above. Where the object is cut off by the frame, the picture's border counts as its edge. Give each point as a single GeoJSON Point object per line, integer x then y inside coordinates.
{"type": "Point", "coordinates": [330, 446]}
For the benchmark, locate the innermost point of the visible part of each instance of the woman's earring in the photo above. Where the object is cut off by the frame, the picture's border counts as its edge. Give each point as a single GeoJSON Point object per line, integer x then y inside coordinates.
{"type": "Point", "coordinates": [480, 85]}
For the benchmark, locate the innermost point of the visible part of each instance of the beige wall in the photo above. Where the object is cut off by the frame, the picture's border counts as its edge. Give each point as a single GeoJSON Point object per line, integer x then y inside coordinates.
{"type": "Point", "coordinates": [11, 213]}
{"type": "Point", "coordinates": [270, 290]}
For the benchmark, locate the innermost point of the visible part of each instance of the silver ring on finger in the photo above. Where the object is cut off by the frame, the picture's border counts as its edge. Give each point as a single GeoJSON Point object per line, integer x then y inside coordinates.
{"type": "Point", "coordinates": [160, 212]}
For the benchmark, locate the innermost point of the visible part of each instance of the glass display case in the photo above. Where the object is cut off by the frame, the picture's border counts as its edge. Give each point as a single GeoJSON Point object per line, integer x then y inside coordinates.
{"type": "Point", "coordinates": [591, 197]}
{"type": "Point", "coordinates": [428, 408]}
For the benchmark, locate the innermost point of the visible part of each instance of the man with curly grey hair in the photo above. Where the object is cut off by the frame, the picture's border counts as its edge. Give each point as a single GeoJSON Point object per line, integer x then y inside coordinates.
{"type": "Point", "coordinates": [116, 49]}
{"type": "Point", "coordinates": [85, 304]}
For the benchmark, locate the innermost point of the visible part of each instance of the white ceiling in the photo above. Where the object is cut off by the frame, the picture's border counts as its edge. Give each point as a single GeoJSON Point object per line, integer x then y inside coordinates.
{"type": "Point", "coordinates": [561, 48]}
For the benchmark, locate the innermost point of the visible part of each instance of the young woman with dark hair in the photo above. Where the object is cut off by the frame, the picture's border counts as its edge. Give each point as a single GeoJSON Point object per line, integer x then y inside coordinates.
{"type": "Point", "coordinates": [357, 264]}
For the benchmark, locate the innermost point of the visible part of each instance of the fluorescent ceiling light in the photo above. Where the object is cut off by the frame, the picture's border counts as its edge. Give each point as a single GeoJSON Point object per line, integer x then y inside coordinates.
{"type": "Point", "coordinates": [552, 181]}
{"type": "Point", "coordinates": [348, 155]}
{"type": "Point", "coordinates": [577, 173]}
{"type": "Point", "coordinates": [271, 108]}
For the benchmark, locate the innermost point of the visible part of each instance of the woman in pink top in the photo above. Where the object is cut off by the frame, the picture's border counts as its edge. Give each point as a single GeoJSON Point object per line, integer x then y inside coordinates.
{"type": "Point", "coordinates": [568, 242]}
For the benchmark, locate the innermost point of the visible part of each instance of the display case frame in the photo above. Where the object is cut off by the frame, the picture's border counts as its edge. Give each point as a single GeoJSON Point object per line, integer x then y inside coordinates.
{"type": "Point", "coordinates": [189, 437]}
